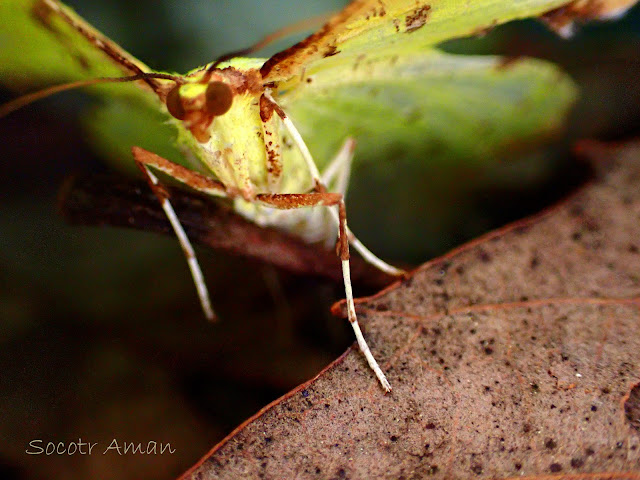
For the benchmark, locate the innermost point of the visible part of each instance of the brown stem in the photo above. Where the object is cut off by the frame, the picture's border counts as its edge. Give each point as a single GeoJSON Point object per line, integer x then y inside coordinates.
{"type": "Point", "coordinates": [111, 200]}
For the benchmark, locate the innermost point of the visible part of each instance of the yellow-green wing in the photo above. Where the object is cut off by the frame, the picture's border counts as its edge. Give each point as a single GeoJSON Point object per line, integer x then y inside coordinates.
{"type": "Point", "coordinates": [44, 43]}
{"type": "Point", "coordinates": [426, 125]}
{"type": "Point", "coordinates": [368, 25]}
{"type": "Point", "coordinates": [431, 106]}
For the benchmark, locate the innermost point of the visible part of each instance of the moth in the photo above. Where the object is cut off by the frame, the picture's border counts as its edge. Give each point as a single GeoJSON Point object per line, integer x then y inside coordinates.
{"type": "Point", "coordinates": [257, 132]}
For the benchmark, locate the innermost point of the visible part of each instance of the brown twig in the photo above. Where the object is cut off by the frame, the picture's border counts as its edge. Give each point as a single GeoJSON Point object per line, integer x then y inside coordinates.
{"type": "Point", "coordinates": [111, 200]}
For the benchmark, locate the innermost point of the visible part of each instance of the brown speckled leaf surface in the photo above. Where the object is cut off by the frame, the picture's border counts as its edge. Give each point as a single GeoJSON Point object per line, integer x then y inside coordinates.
{"type": "Point", "coordinates": [517, 355]}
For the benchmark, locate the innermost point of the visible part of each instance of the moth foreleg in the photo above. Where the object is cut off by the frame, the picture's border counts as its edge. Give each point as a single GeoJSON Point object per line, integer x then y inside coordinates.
{"type": "Point", "coordinates": [145, 159]}
{"type": "Point", "coordinates": [336, 175]}
{"type": "Point", "coordinates": [320, 186]}
{"type": "Point", "coordinates": [326, 199]}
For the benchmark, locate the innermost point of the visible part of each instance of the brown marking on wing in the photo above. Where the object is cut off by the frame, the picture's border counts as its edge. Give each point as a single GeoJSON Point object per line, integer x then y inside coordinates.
{"type": "Point", "coordinates": [382, 12]}
{"type": "Point", "coordinates": [272, 146]}
{"type": "Point", "coordinates": [417, 18]}
{"type": "Point", "coordinates": [354, 20]}
{"type": "Point", "coordinates": [375, 12]}
{"type": "Point", "coordinates": [330, 51]}
{"type": "Point", "coordinates": [274, 166]}
{"type": "Point", "coordinates": [44, 9]}
{"type": "Point", "coordinates": [41, 13]}
{"type": "Point", "coordinates": [285, 61]}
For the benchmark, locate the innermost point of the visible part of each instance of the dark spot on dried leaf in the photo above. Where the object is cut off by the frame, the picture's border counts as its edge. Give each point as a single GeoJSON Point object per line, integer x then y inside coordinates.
{"type": "Point", "coordinates": [555, 467]}
{"type": "Point", "coordinates": [577, 462]}
{"type": "Point", "coordinates": [484, 256]}
{"type": "Point", "coordinates": [550, 444]}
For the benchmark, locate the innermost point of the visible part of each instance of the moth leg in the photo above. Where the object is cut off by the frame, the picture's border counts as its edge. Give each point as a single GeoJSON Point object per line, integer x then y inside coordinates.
{"type": "Point", "coordinates": [291, 201]}
{"type": "Point", "coordinates": [336, 175]}
{"type": "Point", "coordinates": [315, 174]}
{"type": "Point", "coordinates": [145, 159]}
{"type": "Point", "coordinates": [46, 10]}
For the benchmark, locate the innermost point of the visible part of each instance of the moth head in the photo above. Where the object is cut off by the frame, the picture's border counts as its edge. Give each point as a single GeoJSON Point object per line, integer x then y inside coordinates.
{"type": "Point", "coordinates": [197, 104]}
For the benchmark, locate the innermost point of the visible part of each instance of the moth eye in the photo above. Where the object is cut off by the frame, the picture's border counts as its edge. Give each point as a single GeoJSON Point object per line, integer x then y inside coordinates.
{"type": "Point", "coordinates": [174, 103]}
{"type": "Point", "coordinates": [219, 98]}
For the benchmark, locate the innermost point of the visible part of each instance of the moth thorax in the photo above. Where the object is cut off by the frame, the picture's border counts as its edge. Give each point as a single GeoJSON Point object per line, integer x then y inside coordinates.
{"type": "Point", "coordinates": [197, 104]}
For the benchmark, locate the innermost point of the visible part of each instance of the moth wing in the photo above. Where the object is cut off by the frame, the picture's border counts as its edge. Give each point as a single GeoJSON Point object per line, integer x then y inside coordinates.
{"type": "Point", "coordinates": [44, 43]}
{"type": "Point", "coordinates": [368, 25]}
{"type": "Point", "coordinates": [437, 105]}
{"type": "Point", "coordinates": [429, 127]}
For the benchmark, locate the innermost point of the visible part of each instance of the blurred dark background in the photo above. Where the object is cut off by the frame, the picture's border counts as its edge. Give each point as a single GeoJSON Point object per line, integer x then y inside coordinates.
{"type": "Point", "coordinates": [102, 336]}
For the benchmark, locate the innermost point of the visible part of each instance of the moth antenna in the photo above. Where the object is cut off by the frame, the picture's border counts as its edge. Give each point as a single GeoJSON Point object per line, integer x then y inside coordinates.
{"type": "Point", "coordinates": [29, 98]}
{"type": "Point", "coordinates": [302, 25]}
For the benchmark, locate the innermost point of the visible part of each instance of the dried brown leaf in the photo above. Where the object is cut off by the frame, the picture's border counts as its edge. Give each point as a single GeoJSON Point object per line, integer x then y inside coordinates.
{"type": "Point", "coordinates": [516, 355]}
